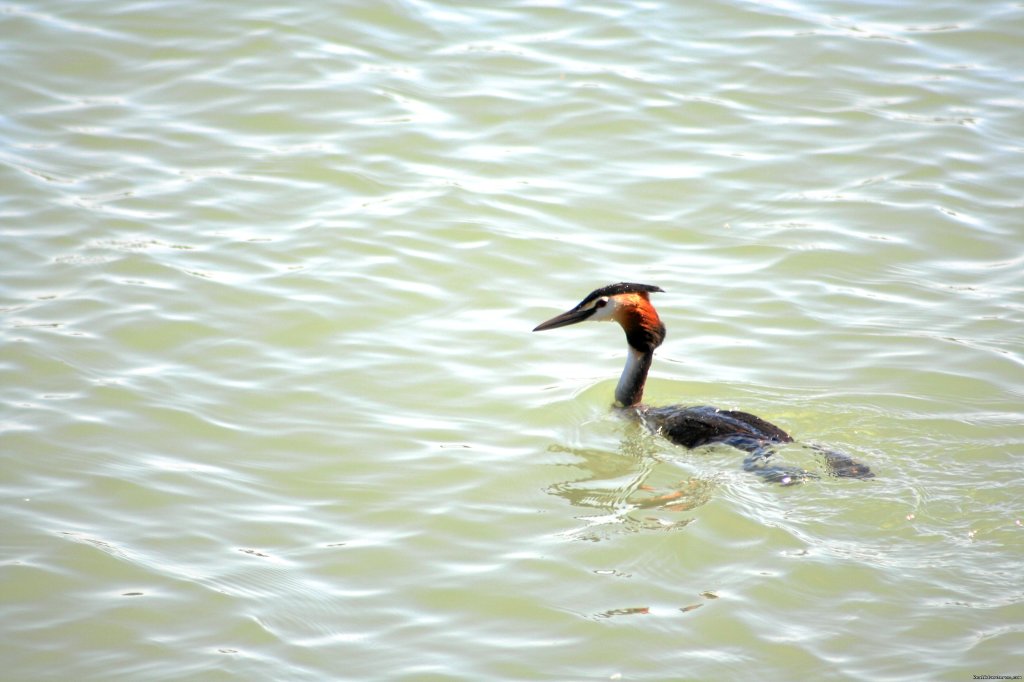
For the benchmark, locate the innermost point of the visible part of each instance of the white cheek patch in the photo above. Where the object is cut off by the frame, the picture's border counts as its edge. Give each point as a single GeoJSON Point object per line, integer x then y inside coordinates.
{"type": "Point", "coordinates": [605, 313]}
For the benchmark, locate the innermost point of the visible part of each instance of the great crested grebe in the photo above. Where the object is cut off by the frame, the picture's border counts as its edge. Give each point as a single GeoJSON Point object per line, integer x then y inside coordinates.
{"type": "Point", "coordinates": [629, 304]}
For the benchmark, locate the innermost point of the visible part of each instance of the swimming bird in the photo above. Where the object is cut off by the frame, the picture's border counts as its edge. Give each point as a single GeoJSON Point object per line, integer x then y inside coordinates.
{"type": "Point", "coordinates": [629, 304]}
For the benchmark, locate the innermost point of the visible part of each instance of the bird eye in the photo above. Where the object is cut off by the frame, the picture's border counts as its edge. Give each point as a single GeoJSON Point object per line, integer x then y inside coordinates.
{"type": "Point", "coordinates": [601, 302]}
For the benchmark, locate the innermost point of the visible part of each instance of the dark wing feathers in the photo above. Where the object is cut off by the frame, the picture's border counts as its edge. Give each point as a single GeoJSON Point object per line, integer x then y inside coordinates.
{"type": "Point", "coordinates": [692, 427]}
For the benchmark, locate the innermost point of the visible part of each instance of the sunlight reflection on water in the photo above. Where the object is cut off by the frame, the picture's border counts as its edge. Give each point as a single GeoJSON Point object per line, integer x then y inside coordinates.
{"type": "Point", "coordinates": [274, 409]}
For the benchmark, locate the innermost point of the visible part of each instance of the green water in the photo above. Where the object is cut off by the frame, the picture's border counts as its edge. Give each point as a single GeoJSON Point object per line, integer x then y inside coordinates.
{"type": "Point", "coordinates": [271, 408]}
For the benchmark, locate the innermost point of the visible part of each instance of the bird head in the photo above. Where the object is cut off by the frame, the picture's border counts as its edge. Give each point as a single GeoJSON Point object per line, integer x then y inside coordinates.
{"type": "Point", "coordinates": [627, 303]}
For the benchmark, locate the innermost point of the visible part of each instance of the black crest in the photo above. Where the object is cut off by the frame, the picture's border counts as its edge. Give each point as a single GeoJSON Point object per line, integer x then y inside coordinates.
{"type": "Point", "coordinates": [621, 288]}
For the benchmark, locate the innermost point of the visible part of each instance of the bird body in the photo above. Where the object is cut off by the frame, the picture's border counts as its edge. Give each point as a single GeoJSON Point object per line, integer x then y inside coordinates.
{"type": "Point", "coordinates": [629, 304]}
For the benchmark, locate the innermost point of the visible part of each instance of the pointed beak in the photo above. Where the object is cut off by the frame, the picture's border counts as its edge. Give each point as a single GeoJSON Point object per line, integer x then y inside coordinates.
{"type": "Point", "coordinates": [565, 319]}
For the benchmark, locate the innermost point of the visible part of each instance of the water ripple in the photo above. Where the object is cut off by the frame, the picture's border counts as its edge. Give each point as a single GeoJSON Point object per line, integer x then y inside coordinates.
{"type": "Point", "coordinates": [273, 408]}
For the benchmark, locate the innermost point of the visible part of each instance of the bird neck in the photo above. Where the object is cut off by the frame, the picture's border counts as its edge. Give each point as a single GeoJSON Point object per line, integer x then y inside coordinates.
{"type": "Point", "coordinates": [644, 333]}
{"type": "Point", "coordinates": [630, 390]}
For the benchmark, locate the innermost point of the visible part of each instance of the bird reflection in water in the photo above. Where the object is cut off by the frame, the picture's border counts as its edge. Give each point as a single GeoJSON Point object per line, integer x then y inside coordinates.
{"type": "Point", "coordinates": [620, 488]}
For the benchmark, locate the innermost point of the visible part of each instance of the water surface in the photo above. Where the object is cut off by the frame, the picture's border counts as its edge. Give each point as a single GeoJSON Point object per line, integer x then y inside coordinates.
{"type": "Point", "coordinates": [272, 409]}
